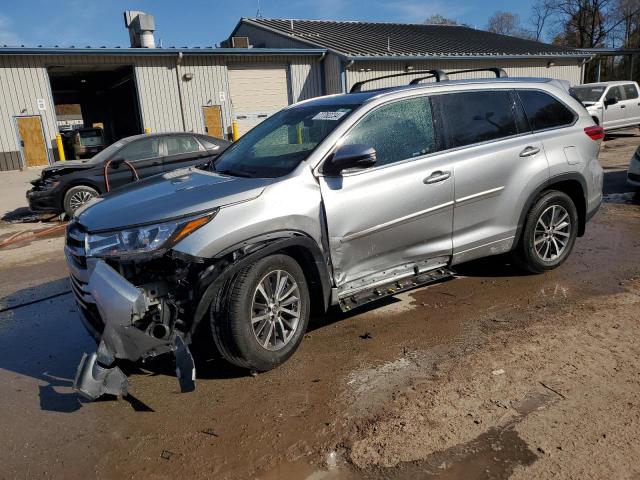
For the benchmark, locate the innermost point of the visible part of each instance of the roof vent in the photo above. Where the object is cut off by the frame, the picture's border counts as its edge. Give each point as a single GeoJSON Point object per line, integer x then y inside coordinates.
{"type": "Point", "coordinates": [141, 27]}
{"type": "Point", "coordinates": [240, 42]}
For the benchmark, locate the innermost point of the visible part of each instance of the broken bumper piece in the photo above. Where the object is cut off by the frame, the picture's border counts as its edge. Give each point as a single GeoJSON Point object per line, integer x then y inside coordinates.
{"type": "Point", "coordinates": [121, 305]}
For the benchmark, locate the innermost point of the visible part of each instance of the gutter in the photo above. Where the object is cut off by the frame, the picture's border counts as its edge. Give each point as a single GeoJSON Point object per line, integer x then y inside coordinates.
{"type": "Point", "coordinates": [414, 58]}
{"type": "Point", "coordinates": [178, 79]}
{"type": "Point", "coordinates": [159, 52]}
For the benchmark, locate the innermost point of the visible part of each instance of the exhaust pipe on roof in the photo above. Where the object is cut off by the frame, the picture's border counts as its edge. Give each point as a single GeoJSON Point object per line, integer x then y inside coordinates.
{"type": "Point", "coordinates": [141, 27]}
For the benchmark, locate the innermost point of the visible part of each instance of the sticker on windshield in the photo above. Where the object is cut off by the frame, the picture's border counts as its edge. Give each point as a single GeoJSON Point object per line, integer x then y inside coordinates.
{"type": "Point", "coordinates": [329, 115]}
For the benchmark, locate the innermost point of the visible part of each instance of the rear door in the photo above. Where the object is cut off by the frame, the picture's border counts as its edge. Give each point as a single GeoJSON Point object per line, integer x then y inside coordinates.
{"type": "Point", "coordinates": [183, 151]}
{"type": "Point", "coordinates": [257, 91]}
{"type": "Point", "coordinates": [614, 115]}
{"type": "Point", "coordinates": [392, 217]}
{"type": "Point", "coordinates": [494, 159]}
{"type": "Point", "coordinates": [632, 103]}
{"type": "Point", "coordinates": [143, 155]}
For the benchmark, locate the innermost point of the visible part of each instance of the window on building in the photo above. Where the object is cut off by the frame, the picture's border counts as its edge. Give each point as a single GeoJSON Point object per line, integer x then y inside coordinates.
{"type": "Point", "coordinates": [397, 131]}
{"type": "Point", "coordinates": [544, 111]}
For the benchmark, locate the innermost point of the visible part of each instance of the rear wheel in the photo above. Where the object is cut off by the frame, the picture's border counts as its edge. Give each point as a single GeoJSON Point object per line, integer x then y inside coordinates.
{"type": "Point", "coordinates": [263, 315]}
{"type": "Point", "coordinates": [550, 232]}
{"type": "Point", "coordinates": [76, 197]}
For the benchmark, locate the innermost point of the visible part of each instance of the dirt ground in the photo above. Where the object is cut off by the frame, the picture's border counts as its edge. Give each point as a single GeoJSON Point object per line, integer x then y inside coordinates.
{"type": "Point", "coordinates": [492, 375]}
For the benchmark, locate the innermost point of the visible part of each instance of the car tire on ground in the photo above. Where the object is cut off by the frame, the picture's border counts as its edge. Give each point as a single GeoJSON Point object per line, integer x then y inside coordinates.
{"type": "Point", "coordinates": [550, 231]}
{"type": "Point", "coordinates": [261, 317]}
{"type": "Point", "coordinates": [77, 196]}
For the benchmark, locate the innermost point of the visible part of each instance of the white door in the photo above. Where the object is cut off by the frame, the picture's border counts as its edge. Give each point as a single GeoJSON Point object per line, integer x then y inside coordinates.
{"type": "Point", "coordinates": [614, 115]}
{"type": "Point", "coordinates": [257, 91]}
{"type": "Point", "coordinates": [632, 104]}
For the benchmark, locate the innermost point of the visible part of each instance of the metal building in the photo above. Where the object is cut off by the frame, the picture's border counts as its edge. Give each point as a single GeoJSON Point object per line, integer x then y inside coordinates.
{"type": "Point", "coordinates": [361, 50]}
{"type": "Point", "coordinates": [133, 90]}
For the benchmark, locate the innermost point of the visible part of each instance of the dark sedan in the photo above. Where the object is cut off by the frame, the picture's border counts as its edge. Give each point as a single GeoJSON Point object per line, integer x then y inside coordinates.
{"type": "Point", "coordinates": [66, 186]}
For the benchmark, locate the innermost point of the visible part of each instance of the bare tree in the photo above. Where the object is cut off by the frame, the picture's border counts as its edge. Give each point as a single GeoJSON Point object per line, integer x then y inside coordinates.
{"type": "Point", "coordinates": [440, 20]}
{"type": "Point", "coordinates": [507, 23]}
{"type": "Point", "coordinates": [541, 15]}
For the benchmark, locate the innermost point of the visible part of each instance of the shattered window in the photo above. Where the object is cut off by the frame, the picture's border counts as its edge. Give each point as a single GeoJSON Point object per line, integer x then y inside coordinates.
{"type": "Point", "coordinates": [397, 131]}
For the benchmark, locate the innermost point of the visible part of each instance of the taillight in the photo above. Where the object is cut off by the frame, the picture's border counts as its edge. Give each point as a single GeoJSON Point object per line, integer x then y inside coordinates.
{"type": "Point", "coordinates": [595, 133]}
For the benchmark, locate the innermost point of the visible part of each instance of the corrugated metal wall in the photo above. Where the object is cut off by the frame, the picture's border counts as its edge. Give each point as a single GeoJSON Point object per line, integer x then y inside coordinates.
{"type": "Point", "coordinates": [332, 74]}
{"type": "Point", "coordinates": [24, 79]}
{"type": "Point", "coordinates": [569, 71]}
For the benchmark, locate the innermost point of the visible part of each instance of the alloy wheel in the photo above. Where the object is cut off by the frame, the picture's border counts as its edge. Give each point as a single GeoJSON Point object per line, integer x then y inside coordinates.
{"type": "Point", "coordinates": [275, 311]}
{"type": "Point", "coordinates": [79, 198]}
{"type": "Point", "coordinates": [552, 233]}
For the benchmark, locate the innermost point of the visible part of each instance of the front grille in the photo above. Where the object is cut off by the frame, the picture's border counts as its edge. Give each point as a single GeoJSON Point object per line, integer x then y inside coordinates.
{"type": "Point", "coordinates": [633, 176]}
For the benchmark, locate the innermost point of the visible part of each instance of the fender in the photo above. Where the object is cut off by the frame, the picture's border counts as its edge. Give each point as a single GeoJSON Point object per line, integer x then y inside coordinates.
{"type": "Point", "coordinates": [230, 261]}
{"type": "Point", "coordinates": [545, 185]}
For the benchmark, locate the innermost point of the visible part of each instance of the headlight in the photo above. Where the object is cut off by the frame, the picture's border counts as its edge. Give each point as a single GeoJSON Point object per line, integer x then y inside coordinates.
{"type": "Point", "coordinates": [51, 182]}
{"type": "Point", "coordinates": [144, 239]}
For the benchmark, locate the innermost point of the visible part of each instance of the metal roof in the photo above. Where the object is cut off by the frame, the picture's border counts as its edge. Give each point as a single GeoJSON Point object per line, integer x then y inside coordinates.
{"type": "Point", "coordinates": [365, 40]}
{"type": "Point", "coordinates": [22, 50]}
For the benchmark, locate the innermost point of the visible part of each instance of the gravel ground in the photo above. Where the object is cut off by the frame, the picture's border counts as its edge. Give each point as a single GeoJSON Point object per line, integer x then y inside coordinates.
{"type": "Point", "coordinates": [492, 375]}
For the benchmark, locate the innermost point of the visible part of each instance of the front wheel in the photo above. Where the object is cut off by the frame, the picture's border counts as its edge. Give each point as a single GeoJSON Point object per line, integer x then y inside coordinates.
{"type": "Point", "coordinates": [550, 231]}
{"type": "Point", "coordinates": [76, 197]}
{"type": "Point", "coordinates": [263, 315]}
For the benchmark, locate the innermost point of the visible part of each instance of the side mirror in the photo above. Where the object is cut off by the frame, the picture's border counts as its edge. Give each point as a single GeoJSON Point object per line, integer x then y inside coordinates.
{"type": "Point", "coordinates": [351, 156]}
{"type": "Point", "coordinates": [610, 101]}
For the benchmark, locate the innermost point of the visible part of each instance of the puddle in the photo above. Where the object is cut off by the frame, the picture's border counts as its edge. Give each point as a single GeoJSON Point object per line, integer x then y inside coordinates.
{"type": "Point", "coordinates": [629, 198]}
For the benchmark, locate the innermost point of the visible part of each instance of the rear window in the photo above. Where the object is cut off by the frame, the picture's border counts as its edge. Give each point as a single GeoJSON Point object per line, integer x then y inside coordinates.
{"type": "Point", "coordinates": [630, 91]}
{"type": "Point", "coordinates": [475, 117]}
{"type": "Point", "coordinates": [544, 111]}
{"type": "Point", "coordinates": [587, 94]}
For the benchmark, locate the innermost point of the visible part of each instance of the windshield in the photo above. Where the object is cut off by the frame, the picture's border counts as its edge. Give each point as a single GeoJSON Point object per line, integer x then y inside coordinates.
{"type": "Point", "coordinates": [276, 146]}
{"type": "Point", "coordinates": [587, 94]}
{"type": "Point", "coordinates": [106, 153]}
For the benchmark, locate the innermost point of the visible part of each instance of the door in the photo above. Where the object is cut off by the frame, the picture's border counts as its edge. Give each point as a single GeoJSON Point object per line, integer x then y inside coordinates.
{"type": "Point", "coordinates": [32, 143]}
{"type": "Point", "coordinates": [145, 157]}
{"type": "Point", "coordinates": [257, 91]}
{"type": "Point", "coordinates": [632, 104]}
{"type": "Point", "coordinates": [494, 157]}
{"type": "Point", "coordinates": [614, 115]}
{"type": "Point", "coordinates": [183, 151]}
{"type": "Point", "coordinates": [398, 213]}
{"type": "Point", "coordinates": [213, 121]}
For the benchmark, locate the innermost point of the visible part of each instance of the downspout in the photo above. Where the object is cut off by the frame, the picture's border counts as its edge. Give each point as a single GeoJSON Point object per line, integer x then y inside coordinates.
{"type": "Point", "coordinates": [343, 74]}
{"type": "Point", "coordinates": [178, 63]}
{"type": "Point", "coordinates": [323, 85]}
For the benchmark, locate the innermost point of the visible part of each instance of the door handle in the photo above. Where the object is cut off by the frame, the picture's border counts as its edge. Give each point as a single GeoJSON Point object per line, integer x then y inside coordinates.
{"type": "Point", "coordinates": [622, 106]}
{"type": "Point", "coordinates": [437, 176]}
{"type": "Point", "coordinates": [529, 151]}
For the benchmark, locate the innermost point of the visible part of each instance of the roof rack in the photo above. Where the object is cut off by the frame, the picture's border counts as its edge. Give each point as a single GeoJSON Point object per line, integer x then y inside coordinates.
{"type": "Point", "coordinates": [439, 75]}
{"type": "Point", "coordinates": [499, 72]}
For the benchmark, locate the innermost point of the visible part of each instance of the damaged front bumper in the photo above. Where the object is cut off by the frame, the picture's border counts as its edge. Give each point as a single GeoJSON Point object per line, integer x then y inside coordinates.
{"type": "Point", "coordinates": [129, 322]}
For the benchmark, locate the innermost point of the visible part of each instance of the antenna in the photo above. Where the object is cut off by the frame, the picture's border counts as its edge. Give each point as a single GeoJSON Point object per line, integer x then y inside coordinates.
{"type": "Point", "coordinates": [258, 13]}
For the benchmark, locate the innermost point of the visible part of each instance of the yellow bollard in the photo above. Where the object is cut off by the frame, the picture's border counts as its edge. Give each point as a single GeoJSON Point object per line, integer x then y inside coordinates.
{"type": "Point", "coordinates": [234, 131]}
{"type": "Point", "coordinates": [60, 148]}
{"type": "Point", "coordinates": [147, 130]}
{"type": "Point", "coordinates": [299, 132]}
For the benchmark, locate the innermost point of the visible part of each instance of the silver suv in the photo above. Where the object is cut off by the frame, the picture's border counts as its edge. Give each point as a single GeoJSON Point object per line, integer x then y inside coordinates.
{"type": "Point", "coordinates": [339, 200]}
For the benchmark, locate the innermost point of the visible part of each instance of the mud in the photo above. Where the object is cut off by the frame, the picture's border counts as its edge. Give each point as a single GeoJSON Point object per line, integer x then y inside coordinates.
{"type": "Point", "coordinates": [400, 389]}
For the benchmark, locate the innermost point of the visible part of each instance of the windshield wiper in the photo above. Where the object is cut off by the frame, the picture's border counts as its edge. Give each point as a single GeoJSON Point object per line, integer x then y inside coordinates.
{"type": "Point", "coordinates": [234, 173]}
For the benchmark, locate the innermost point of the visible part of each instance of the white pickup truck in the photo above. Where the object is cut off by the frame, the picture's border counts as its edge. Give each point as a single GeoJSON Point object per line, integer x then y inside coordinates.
{"type": "Point", "coordinates": [614, 104]}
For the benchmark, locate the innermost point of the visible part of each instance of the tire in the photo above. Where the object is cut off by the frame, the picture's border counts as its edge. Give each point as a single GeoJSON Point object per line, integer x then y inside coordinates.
{"type": "Point", "coordinates": [241, 318]}
{"type": "Point", "coordinates": [541, 249]}
{"type": "Point", "coordinates": [73, 198]}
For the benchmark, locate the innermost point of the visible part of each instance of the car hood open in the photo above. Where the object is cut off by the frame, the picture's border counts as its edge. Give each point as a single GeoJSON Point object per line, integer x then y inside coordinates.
{"type": "Point", "coordinates": [170, 195]}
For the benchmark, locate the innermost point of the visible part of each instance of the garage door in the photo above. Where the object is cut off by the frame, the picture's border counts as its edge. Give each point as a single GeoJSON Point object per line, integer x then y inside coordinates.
{"type": "Point", "coordinates": [257, 91]}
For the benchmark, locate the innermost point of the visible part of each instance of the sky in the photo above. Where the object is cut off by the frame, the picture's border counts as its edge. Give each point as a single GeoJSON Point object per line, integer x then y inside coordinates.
{"type": "Point", "coordinates": [183, 23]}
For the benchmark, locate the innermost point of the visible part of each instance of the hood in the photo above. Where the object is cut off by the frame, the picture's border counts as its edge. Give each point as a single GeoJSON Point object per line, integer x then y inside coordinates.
{"type": "Point", "coordinates": [174, 194]}
{"type": "Point", "coordinates": [56, 167]}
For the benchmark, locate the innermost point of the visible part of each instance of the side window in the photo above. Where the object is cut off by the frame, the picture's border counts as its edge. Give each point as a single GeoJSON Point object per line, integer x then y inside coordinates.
{"type": "Point", "coordinates": [615, 92]}
{"type": "Point", "coordinates": [544, 111]}
{"type": "Point", "coordinates": [208, 144]}
{"type": "Point", "coordinates": [397, 131]}
{"type": "Point", "coordinates": [474, 117]}
{"type": "Point", "coordinates": [630, 91]}
{"type": "Point", "coordinates": [181, 145]}
{"type": "Point", "coordinates": [140, 149]}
